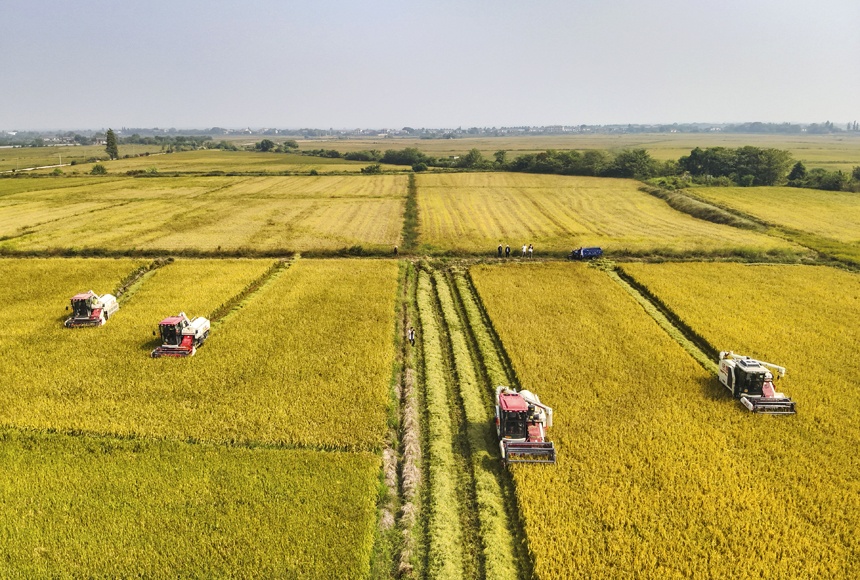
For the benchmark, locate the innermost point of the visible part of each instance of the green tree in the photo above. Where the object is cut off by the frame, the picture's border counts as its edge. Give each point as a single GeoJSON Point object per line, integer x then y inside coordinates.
{"type": "Point", "coordinates": [472, 159]}
{"type": "Point", "coordinates": [798, 172]}
{"type": "Point", "coordinates": [290, 144]}
{"type": "Point", "coordinates": [501, 156]}
{"type": "Point", "coordinates": [375, 168]}
{"type": "Point", "coordinates": [266, 145]}
{"type": "Point", "coordinates": [98, 169]}
{"type": "Point", "coordinates": [419, 167]}
{"type": "Point", "coordinates": [110, 145]}
{"type": "Point", "coordinates": [633, 163]}
{"type": "Point", "coordinates": [856, 173]}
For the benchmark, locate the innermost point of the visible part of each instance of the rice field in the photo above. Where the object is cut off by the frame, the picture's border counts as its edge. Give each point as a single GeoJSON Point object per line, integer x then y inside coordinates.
{"type": "Point", "coordinates": [832, 214]}
{"type": "Point", "coordinates": [317, 338]}
{"type": "Point", "coordinates": [12, 158]}
{"type": "Point", "coordinates": [661, 474]}
{"type": "Point", "coordinates": [92, 507]}
{"type": "Point", "coordinates": [828, 151]}
{"type": "Point", "coordinates": [474, 212]}
{"type": "Point", "coordinates": [208, 160]}
{"type": "Point", "coordinates": [210, 214]}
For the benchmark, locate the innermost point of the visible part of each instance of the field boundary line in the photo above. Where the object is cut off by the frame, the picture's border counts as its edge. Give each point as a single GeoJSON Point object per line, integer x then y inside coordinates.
{"type": "Point", "coordinates": [136, 277]}
{"type": "Point", "coordinates": [409, 234]}
{"type": "Point", "coordinates": [702, 351]}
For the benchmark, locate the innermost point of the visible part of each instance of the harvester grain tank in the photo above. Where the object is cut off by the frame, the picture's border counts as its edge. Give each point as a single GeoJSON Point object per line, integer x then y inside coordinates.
{"type": "Point", "coordinates": [521, 423]}
{"type": "Point", "coordinates": [751, 381]}
{"type": "Point", "coordinates": [90, 309]}
{"type": "Point", "coordinates": [180, 336]}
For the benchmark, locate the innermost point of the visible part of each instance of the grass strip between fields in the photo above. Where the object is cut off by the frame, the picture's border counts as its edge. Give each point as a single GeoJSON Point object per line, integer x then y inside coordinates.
{"type": "Point", "coordinates": [445, 535]}
{"type": "Point", "coordinates": [496, 538]}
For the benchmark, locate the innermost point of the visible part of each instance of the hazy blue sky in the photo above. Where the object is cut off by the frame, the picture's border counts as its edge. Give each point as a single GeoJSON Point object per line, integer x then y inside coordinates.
{"type": "Point", "coordinates": [267, 63]}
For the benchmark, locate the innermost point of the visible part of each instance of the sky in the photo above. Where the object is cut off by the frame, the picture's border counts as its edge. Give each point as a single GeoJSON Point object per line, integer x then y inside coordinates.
{"type": "Point", "coordinates": [390, 64]}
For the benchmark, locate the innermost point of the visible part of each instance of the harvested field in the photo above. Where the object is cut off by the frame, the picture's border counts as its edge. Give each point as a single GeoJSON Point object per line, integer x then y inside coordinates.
{"type": "Point", "coordinates": [473, 212]}
{"type": "Point", "coordinates": [210, 214]}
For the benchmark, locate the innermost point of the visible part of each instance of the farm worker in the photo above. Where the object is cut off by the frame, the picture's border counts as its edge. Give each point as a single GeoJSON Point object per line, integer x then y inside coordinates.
{"type": "Point", "coordinates": [500, 249]}
{"type": "Point", "coordinates": [767, 389]}
{"type": "Point", "coordinates": [525, 249]}
{"type": "Point", "coordinates": [395, 250]}
{"type": "Point", "coordinates": [507, 251]}
{"type": "Point", "coordinates": [531, 250]}
{"type": "Point", "coordinates": [412, 336]}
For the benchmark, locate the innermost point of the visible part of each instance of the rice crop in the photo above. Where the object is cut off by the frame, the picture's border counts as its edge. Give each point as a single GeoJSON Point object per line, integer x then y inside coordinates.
{"type": "Point", "coordinates": [832, 214]}
{"type": "Point", "coordinates": [208, 160]}
{"type": "Point", "coordinates": [474, 212]}
{"type": "Point", "coordinates": [75, 507]}
{"type": "Point", "coordinates": [660, 473]}
{"type": "Point", "coordinates": [211, 214]}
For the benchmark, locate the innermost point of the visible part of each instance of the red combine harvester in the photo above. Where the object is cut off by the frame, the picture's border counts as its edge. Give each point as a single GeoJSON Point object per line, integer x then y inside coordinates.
{"type": "Point", "coordinates": [90, 309]}
{"type": "Point", "coordinates": [180, 336]}
{"type": "Point", "coordinates": [521, 422]}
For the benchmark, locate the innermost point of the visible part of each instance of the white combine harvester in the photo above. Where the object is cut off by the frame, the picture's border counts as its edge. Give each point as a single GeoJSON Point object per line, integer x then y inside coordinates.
{"type": "Point", "coordinates": [180, 336]}
{"type": "Point", "coordinates": [751, 381]}
{"type": "Point", "coordinates": [90, 309]}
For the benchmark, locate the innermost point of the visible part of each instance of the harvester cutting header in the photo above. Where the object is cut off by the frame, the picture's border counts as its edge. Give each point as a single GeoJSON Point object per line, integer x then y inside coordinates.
{"type": "Point", "coordinates": [90, 309]}
{"type": "Point", "coordinates": [521, 422]}
{"type": "Point", "coordinates": [751, 381]}
{"type": "Point", "coordinates": [180, 336]}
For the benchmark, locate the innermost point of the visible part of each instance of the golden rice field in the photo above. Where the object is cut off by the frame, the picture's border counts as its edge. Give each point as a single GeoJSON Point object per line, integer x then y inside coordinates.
{"type": "Point", "coordinates": [24, 157]}
{"type": "Point", "coordinates": [203, 213]}
{"type": "Point", "coordinates": [660, 473]}
{"type": "Point", "coordinates": [829, 151]}
{"type": "Point", "coordinates": [307, 362]}
{"type": "Point", "coordinates": [473, 212]}
{"type": "Point", "coordinates": [206, 160]}
{"type": "Point", "coordinates": [86, 507]}
{"type": "Point", "coordinates": [832, 214]}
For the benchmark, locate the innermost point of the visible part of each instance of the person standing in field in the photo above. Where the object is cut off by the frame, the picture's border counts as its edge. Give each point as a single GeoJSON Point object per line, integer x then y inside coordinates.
{"type": "Point", "coordinates": [531, 251]}
{"type": "Point", "coordinates": [507, 251]}
{"type": "Point", "coordinates": [411, 336]}
{"type": "Point", "coordinates": [525, 248]}
{"type": "Point", "coordinates": [500, 249]}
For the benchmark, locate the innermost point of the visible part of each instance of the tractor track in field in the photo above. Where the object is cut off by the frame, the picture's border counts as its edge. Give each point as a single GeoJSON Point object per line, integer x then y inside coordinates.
{"type": "Point", "coordinates": [491, 536]}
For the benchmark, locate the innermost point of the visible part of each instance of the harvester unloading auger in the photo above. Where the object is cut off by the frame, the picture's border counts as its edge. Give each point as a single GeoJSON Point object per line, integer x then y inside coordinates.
{"type": "Point", "coordinates": [90, 309]}
{"type": "Point", "coordinates": [521, 422]}
{"type": "Point", "coordinates": [751, 381]}
{"type": "Point", "coordinates": [180, 336]}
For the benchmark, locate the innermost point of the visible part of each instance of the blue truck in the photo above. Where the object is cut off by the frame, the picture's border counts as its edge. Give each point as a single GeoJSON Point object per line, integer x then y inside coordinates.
{"type": "Point", "coordinates": [585, 254]}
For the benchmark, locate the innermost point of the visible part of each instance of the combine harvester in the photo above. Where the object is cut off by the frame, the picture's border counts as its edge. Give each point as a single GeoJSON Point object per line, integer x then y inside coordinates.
{"type": "Point", "coordinates": [180, 336]}
{"type": "Point", "coordinates": [751, 381]}
{"type": "Point", "coordinates": [521, 422]}
{"type": "Point", "coordinates": [90, 309]}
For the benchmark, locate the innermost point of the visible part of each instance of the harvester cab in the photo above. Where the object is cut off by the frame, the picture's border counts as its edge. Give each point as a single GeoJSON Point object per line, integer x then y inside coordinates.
{"type": "Point", "coordinates": [751, 381]}
{"type": "Point", "coordinates": [180, 336]}
{"type": "Point", "coordinates": [521, 422]}
{"type": "Point", "coordinates": [90, 309]}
